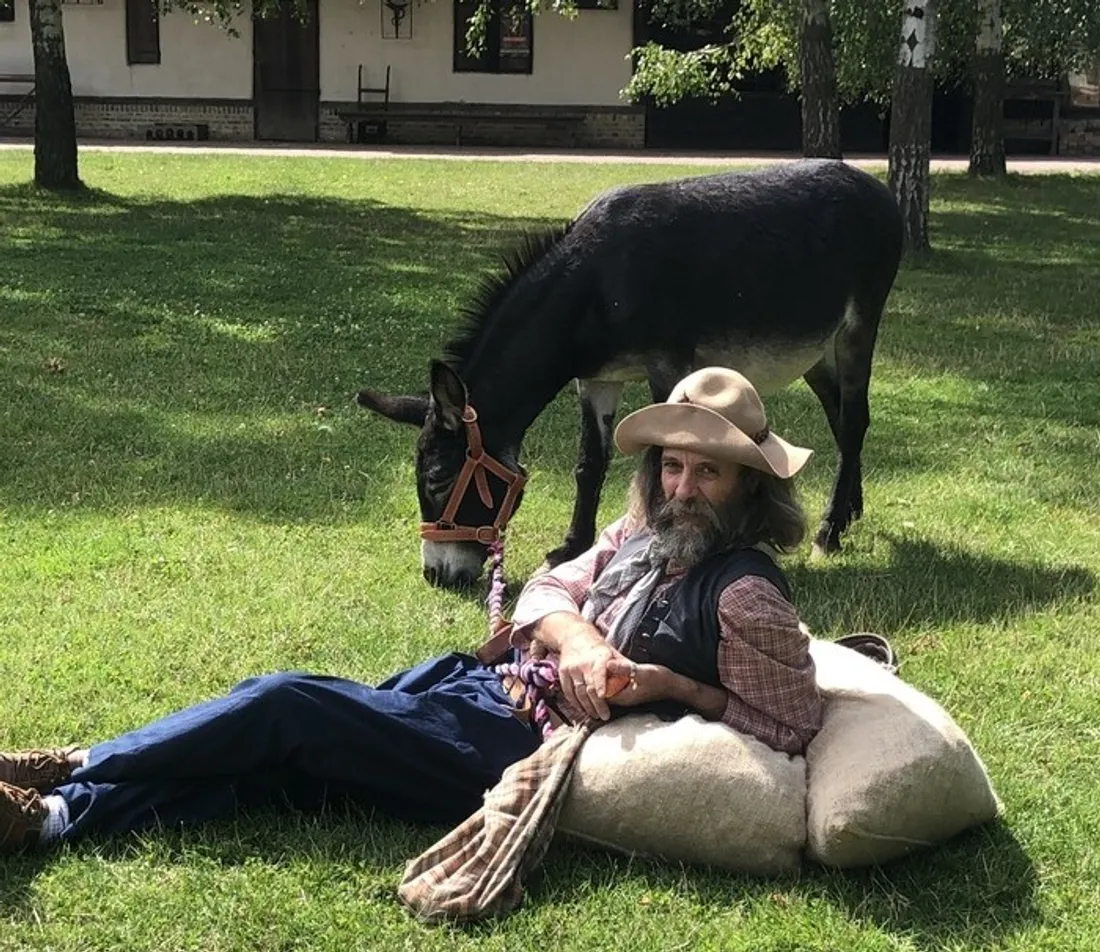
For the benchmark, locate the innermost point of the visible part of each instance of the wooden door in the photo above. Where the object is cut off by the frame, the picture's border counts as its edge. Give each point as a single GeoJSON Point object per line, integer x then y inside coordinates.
{"type": "Point", "coordinates": [286, 85]}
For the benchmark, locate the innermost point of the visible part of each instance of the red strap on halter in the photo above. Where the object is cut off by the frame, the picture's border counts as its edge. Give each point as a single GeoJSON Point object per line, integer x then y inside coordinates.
{"type": "Point", "coordinates": [474, 468]}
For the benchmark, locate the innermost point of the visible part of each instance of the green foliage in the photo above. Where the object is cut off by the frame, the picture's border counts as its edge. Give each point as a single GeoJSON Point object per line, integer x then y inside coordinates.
{"type": "Point", "coordinates": [1042, 38]}
{"type": "Point", "coordinates": [667, 76]}
{"type": "Point", "coordinates": [866, 35]}
{"type": "Point", "coordinates": [227, 14]}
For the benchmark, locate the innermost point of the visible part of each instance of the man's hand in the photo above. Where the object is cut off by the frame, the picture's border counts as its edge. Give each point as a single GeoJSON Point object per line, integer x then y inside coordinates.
{"type": "Point", "coordinates": [583, 655]}
{"type": "Point", "coordinates": [655, 682]}
{"type": "Point", "coordinates": [645, 682]}
{"type": "Point", "coordinates": [582, 671]}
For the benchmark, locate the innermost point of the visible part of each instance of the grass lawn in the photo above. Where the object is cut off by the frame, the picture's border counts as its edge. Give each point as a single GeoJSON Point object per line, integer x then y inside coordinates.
{"type": "Point", "coordinates": [188, 497]}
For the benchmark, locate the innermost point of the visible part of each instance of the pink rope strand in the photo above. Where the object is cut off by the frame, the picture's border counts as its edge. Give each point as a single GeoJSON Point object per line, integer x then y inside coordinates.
{"type": "Point", "coordinates": [496, 587]}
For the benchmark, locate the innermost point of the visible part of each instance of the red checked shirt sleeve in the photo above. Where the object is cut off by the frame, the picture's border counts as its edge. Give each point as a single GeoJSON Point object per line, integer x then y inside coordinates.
{"type": "Point", "coordinates": [565, 587]}
{"type": "Point", "coordinates": [764, 662]}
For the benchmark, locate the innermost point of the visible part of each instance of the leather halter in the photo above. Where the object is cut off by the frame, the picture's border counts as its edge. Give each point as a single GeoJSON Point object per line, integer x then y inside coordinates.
{"type": "Point", "coordinates": [477, 462]}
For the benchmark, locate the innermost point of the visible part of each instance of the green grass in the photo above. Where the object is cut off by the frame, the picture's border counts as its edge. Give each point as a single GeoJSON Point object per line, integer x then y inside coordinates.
{"type": "Point", "coordinates": [193, 499]}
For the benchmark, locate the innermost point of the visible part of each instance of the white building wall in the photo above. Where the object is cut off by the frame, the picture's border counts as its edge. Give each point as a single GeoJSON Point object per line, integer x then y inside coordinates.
{"type": "Point", "coordinates": [581, 61]}
{"type": "Point", "coordinates": [576, 62]}
{"type": "Point", "coordinates": [197, 60]}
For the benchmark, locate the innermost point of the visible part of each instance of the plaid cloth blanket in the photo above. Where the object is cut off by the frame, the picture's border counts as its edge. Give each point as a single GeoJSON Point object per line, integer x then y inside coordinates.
{"type": "Point", "coordinates": [478, 869]}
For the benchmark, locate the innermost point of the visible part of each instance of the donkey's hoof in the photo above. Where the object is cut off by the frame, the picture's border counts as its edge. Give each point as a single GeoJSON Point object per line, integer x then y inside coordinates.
{"type": "Point", "coordinates": [563, 553]}
{"type": "Point", "coordinates": [827, 543]}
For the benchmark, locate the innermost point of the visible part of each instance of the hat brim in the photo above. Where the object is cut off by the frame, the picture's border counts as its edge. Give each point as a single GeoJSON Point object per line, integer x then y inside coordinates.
{"type": "Point", "coordinates": [696, 429]}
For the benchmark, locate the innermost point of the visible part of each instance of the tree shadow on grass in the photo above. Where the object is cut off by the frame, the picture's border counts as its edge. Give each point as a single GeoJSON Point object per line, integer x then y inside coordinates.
{"type": "Point", "coordinates": [927, 585]}
{"type": "Point", "coordinates": [160, 351]}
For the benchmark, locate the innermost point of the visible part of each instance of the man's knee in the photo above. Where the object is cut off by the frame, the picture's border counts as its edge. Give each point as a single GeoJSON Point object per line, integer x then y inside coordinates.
{"type": "Point", "coordinates": [277, 685]}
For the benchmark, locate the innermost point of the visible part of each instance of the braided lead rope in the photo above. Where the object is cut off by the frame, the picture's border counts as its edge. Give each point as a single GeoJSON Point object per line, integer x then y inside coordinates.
{"type": "Point", "coordinates": [540, 680]}
{"type": "Point", "coordinates": [539, 676]}
{"type": "Point", "coordinates": [496, 586]}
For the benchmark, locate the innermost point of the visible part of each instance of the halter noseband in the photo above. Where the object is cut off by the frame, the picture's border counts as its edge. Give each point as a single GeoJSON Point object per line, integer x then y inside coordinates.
{"type": "Point", "coordinates": [477, 462]}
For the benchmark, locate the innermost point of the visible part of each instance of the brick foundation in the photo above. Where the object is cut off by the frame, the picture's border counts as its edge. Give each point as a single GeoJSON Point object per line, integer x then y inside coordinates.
{"type": "Point", "coordinates": [590, 127]}
{"type": "Point", "coordinates": [1079, 137]}
{"type": "Point", "coordinates": [226, 119]}
{"type": "Point", "coordinates": [586, 127]}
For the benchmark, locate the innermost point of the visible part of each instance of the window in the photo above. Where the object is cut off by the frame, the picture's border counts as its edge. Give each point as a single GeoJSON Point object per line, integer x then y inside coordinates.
{"type": "Point", "coordinates": [509, 38]}
{"type": "Point", "coordinates": [142, 32]}
{"type": "Point", "coordinates": [7, 11]}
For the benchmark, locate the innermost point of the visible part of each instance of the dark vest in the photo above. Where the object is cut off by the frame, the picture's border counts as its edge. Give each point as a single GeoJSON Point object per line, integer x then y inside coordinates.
{"type": "Point", "coordinates": [680, 627]}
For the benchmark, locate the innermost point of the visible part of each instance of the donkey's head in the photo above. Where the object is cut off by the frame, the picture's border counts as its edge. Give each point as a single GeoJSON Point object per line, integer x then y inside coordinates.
{"type": "Point", "coordinates": [468, 481]}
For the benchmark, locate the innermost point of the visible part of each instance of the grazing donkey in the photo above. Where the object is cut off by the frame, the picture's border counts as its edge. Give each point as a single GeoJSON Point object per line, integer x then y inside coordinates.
{"type": "Point", "coordinates": [778, 274]}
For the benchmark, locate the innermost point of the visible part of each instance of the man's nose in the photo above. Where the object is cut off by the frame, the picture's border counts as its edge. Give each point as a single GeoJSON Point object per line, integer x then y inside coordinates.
{"type": "Point", "coordinates": [687, 487]}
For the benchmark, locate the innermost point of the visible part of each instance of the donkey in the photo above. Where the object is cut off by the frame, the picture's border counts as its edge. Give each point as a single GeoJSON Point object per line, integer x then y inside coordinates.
{"type": "Point", "coordinates": [779, 273]}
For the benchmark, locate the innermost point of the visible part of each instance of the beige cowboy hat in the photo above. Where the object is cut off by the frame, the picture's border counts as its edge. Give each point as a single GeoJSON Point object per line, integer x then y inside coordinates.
{"type": "Point", "coordinates": [715, 412]}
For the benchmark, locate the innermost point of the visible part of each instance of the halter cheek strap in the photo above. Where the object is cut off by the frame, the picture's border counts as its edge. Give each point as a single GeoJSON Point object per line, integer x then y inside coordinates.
{"type": "Point", "coordinates": [477, 463]}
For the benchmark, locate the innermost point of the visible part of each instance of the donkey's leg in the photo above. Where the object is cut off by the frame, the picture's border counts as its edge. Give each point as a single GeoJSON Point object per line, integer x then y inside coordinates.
{"type": "Point", "coordinates": [664, 372]}
{"type": "Point", "coordinates": [822, 379]}
{"type": "Point", "coordinates": [845, 389]}
{"type": "Point", "coordinates": [599, 404]}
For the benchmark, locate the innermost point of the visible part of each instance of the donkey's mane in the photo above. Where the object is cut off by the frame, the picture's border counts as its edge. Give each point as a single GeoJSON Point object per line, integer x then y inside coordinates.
{"type": "Point", "coordinates": [478, 316]}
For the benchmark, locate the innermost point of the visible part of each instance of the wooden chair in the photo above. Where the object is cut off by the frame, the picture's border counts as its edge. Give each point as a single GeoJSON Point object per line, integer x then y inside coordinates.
{"type": "Point", "coordinates": [383, 91]}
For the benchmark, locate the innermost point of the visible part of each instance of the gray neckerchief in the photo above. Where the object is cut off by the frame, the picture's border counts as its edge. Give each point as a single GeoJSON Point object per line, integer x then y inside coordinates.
{"type": "Point", "coordinates": [633, 571]}
{"type": "Point", "coordinates": [630, 570]}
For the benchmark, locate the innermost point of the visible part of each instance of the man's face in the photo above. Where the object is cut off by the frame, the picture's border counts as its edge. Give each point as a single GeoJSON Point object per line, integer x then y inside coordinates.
{"type": "Point", "coordinates": [686, 476]}
{"type": "Point", "coordinates": [699, 494]}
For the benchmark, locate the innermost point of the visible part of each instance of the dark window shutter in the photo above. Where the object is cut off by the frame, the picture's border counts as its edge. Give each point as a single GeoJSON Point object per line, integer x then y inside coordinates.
{"type": "Point", "coordinates": [142, 32]}
{"type": "Point", "coordinates": [509, 38]}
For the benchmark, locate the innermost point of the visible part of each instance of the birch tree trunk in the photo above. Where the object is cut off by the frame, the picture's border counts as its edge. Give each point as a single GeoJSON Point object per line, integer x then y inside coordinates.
{"type": "Point", "coordinates": [987, 143]}
{"type": "Point", "coordinates": [911, 121]}
{"type": "Point", "coordinates": [55, 165]}
{"type": "Point", "coordinates": [817, 64]}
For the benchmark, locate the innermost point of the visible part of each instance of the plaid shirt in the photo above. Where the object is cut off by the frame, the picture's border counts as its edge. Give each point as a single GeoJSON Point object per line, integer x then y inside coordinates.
{"type": "Point", "coordinates": [763, 656]}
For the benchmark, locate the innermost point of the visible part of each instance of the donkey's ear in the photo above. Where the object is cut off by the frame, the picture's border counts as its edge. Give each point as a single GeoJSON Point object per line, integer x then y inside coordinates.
{"type": "Point", "coordinates": [448, 394]}
{"type": "Point", "coordinates": [412, 410]}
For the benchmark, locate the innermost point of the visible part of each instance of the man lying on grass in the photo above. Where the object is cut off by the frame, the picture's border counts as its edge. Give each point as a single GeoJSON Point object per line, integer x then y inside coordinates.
{"type": "Point", "coordinates": [680, 600]}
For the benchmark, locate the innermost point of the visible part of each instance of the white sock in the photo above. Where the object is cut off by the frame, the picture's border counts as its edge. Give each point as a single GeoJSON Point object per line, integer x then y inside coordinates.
{"type": "Point", "coordinates": [57, 819]}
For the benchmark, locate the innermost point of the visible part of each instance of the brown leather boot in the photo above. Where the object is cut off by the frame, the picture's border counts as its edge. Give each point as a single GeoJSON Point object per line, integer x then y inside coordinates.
{"type": "Point", "coordinates": [40, 770]}
{"type": "Point", "coordinates": [22, 813]}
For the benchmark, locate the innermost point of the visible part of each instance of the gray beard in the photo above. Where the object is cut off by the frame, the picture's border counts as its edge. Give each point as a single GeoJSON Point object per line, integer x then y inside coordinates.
{"type": "Point", "coordinates": [685, 533]}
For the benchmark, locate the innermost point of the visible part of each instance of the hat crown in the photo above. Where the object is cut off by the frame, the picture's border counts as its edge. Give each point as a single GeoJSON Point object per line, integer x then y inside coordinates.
{"type": "Point", "coordinates": [725, 392]}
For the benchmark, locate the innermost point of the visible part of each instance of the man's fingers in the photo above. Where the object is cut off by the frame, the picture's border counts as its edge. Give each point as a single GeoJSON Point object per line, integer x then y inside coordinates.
{"type": "Point", "coordinates": [598, 681]}
{"type": "Point", "coordinates": [571, 689]}
{"type": "Point", "coordinates": [599, 705]}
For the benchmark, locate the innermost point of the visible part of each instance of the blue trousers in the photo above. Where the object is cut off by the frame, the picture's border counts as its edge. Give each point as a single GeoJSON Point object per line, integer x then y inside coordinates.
{"type": "Point", "coordinates": [423, 745]}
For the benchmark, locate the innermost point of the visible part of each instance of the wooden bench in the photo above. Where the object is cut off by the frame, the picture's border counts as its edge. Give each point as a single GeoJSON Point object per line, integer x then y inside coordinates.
{"type": "Point", "coordinates": [21, 79]}
{"type": "Point", "coordinates": [1044, 128]}
{"type": "Point", "coordinates": [453, 114]}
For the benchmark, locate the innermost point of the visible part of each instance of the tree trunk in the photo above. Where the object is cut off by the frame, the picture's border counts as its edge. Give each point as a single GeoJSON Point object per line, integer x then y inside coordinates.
{"type": "Point", "coordinates": [55, 165]}
{"type": "Point", "coordinates": [987, 143]}
{"type": "Point", "coordinates": [911, 122]}
{"type": "Point", "coordinates": [817, 64]}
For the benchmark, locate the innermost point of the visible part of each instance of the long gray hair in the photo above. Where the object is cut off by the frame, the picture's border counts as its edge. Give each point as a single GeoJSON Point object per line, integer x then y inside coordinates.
{"type": "Point", "coordinates": [765, 509]}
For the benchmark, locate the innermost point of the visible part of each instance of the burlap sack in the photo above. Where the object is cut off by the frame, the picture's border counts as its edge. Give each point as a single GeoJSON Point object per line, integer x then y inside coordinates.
{"type": "Point", "coordinates": [689, 791]}
{"type": "Point", "coordinates": [890, 771]}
